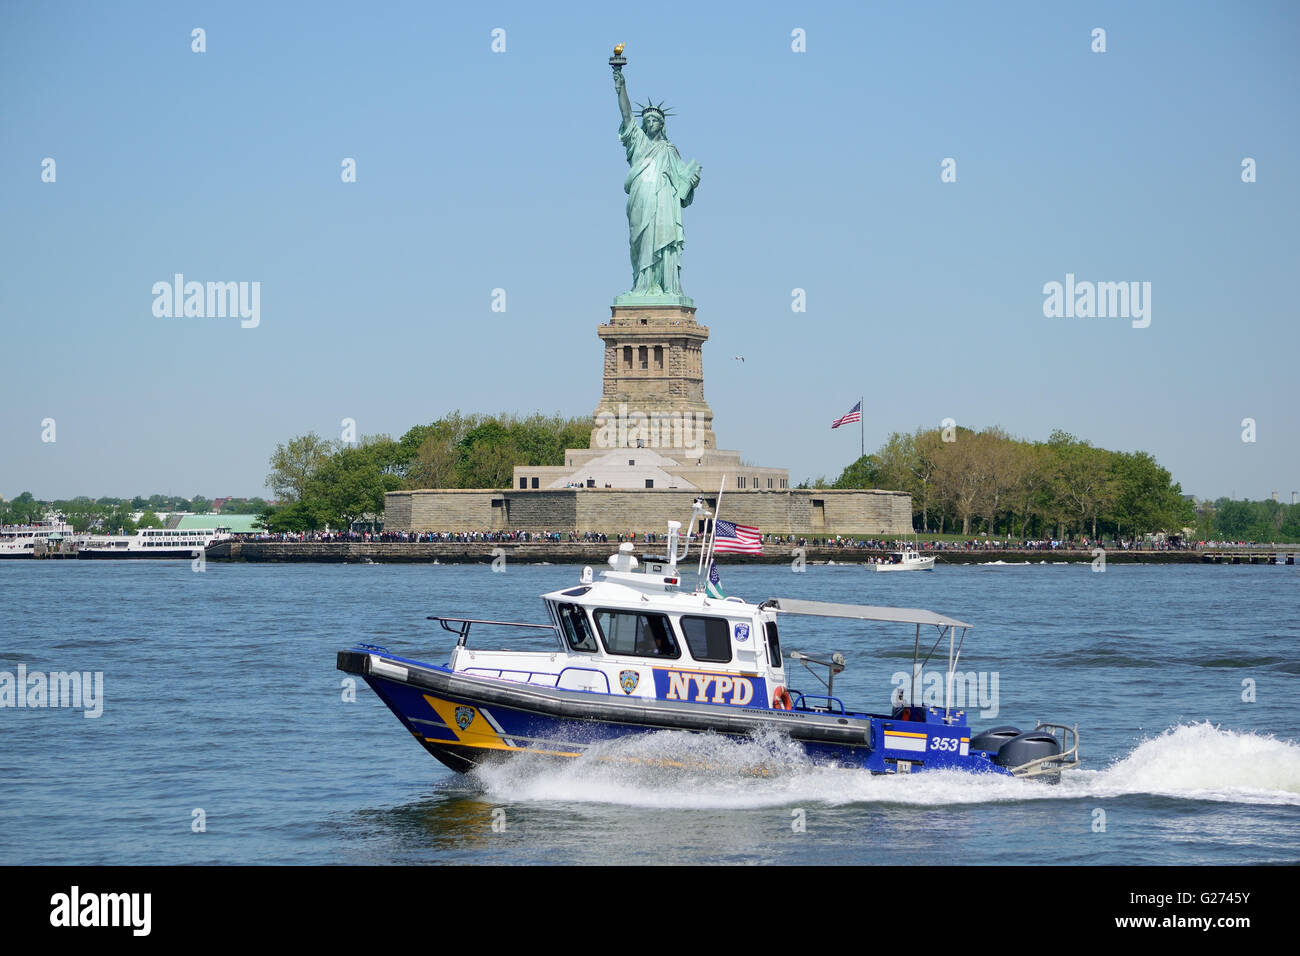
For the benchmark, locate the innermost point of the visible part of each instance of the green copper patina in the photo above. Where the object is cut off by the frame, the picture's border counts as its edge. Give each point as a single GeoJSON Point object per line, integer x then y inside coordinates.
{"type": "Point", "coordinates": [658, 186]}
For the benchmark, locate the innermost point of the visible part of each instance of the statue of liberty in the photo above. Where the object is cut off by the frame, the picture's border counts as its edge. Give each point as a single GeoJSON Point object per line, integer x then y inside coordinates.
{"type": "Point", "coordinates": [658, 186]}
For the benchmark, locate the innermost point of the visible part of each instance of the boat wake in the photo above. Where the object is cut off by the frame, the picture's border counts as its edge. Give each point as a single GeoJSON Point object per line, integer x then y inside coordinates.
{"type": "Point", "coordinates": [672, 770]}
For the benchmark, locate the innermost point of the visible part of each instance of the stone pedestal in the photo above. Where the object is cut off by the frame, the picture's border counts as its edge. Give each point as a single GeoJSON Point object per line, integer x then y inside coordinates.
{"type": "Point", "coordinates": [654, 381]}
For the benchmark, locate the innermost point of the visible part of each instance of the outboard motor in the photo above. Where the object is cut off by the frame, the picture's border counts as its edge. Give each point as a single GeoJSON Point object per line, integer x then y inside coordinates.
{"type": "Point", "coordinates": [1026, 747]}
{"type": "Point", "coordinates": [992, 740]}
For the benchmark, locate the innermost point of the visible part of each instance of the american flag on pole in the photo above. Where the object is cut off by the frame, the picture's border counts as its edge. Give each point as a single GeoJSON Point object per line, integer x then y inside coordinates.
{"type": "Point", "coordinates": [735, 539]}
{"type": "Point", "coordinates": [854, 415]}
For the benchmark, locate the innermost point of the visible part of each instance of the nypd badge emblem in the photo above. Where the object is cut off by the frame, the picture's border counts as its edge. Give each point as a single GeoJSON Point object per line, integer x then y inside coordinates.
{"type": "Point", "coordinates": [464, 715]}
{"type": "Point", "coordinates": [628, 680]}
{"type": "Point", "coordinates": [742, 633]}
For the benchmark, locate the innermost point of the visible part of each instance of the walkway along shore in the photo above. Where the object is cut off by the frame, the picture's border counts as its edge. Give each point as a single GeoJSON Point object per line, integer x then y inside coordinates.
{"type": "Point", "coordinates": [541, 552]}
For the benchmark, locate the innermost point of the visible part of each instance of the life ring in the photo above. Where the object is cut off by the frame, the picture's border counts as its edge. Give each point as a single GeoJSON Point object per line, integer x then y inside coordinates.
{"type": "Point", "coordinates": [781, 699]}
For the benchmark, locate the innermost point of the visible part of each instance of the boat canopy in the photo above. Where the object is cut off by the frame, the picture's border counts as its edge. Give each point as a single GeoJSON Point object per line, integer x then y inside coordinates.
{"type": "Point", "coordinates": [861, 612]}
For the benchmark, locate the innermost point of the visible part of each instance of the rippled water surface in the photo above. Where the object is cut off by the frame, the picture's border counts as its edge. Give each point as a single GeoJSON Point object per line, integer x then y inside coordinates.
{"type": "Point", "coordinates": [220, 695]}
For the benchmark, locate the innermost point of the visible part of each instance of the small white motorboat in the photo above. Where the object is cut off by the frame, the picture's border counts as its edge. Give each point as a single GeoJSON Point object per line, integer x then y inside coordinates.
{"type": "Point", "coordinates": [908, 559]}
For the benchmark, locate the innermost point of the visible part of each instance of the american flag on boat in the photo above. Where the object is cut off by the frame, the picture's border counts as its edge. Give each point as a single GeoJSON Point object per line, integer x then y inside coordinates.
{"type": "Point", "coordinates": [735, 539]}
{"type": "Point", "coordinates": [854, 415]}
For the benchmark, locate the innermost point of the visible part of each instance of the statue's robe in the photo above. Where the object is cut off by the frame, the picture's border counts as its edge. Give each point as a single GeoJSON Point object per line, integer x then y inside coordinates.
{"type": "Point", "coordinates": [658, 186]}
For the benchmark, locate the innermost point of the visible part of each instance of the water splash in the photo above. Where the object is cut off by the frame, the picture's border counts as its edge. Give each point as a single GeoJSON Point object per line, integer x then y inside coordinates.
{"type": "Point", "coordinates": [1208, 763]}
{"type": "Point", "coordinates": [674, 770]}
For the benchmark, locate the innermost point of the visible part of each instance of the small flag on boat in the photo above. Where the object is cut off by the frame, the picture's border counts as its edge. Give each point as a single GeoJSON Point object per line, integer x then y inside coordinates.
{"type": "Point", "coordinates": [714, 588]}
{"type": "Point", "coordinates": [854, 415]}
{"type": "Point", "coordinates": [735, 539]}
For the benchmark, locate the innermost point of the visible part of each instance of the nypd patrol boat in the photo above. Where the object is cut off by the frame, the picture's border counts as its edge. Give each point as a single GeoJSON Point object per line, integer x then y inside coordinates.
{"type": "Point", "coordinates": [638, 652]}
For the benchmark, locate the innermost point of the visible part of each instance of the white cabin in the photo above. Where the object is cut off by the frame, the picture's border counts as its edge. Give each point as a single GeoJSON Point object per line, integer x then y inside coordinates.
{"type": "Point", "coordinates": [639, 633]}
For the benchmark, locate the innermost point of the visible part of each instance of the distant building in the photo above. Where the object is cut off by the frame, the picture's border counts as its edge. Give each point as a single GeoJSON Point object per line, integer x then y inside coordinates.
{"type": "Point", "coordinates": [652, 452]}
{"type": "Point", "coordinates": [239, 524]}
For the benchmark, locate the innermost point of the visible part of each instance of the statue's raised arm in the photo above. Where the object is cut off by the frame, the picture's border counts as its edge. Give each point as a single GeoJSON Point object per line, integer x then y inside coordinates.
{"type": "Point", "coordinates": [624, 104]}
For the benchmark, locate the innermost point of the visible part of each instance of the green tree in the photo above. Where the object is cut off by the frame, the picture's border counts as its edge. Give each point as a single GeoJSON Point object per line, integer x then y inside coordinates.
{"type": "Point", "coordinates": [24, 509]}
{"type": "Point", "coordinates": [293, 517]}
{"type": "Point", "coordinates": [1085, 482]}
{"type": "Point", "coordinates": [866, 472]}
{"type": "Point", "coordinates": [1146, 498]}
{"type": "Point", "coordinates": [349, 484]}
{"type": "Point", "coordinates": [294, 464]}
{"type": "Point", "coordinates": [117, 520]}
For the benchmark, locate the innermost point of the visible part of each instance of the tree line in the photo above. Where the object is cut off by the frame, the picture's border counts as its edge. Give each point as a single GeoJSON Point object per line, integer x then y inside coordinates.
{"type": "Point", "coordinates": [330, 483]}
{"type": "Point", "coordinates": [963, 481]}
{"type": "Point", "coordinates": [1267, 520]}
{"type": "Point", "coordinates": [113, 515]}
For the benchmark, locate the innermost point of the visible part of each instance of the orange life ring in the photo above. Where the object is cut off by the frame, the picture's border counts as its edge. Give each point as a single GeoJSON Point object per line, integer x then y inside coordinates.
{"type": "Point", "coordinates": [781, 699]}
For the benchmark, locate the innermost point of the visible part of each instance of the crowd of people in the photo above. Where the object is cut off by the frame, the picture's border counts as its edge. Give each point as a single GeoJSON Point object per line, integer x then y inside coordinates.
{"type": "Point", "coordinates": [655, 537]}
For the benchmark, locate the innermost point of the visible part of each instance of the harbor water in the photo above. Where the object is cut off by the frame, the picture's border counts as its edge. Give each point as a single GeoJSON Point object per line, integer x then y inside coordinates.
{"type": "Point", "coordinates": [225, 734]}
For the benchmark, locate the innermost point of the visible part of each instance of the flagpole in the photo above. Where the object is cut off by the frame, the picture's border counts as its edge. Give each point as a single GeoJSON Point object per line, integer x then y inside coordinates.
{"type": "Point", "coordinates": [717, 509]}
{"type": "Point", "coordinates": [862, 428]}
{"type": "Point", "coordinates": [713, 540]}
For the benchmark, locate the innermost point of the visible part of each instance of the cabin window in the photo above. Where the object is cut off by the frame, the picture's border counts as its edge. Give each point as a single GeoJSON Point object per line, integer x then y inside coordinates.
{"type": "Point", "coordinates": [709, 638]}
{"type": "Point", "coordinates": [628, 633]}
{"type": "Point", "coordinates": [577, 630]}
{"type": "Point", "coordinates": [773, 645]}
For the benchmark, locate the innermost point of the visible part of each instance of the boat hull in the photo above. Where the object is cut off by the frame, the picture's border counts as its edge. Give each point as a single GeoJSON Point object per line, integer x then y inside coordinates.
{"type": "Point", "coordinates": [465, 721]}
{"type": "Point", "coordinates": [926, 564]}
{"type": "Point", "coordinates": [174, 554]}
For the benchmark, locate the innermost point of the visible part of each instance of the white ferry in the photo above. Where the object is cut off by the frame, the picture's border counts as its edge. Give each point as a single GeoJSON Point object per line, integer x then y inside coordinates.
{"type": "Point", "coordinates": [152, 543]}
{"type": "Point", "coordinates": [637, 652]}
{"type": "Point", "coordinates": [20, 540]}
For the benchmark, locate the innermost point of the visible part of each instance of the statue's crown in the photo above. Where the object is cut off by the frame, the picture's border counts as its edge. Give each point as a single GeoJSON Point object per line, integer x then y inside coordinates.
{"type": "Point", "coordinates": [650, 107]}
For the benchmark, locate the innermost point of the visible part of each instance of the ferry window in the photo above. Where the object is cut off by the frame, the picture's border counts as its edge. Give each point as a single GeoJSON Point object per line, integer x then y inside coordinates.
{"type": "Point", "coordinates": [577, 632]}
{"type": "Point", "coordinates": [709, 638]}
{"type": "Point", "coordinates": [636, 635]}
{"type": "Point", "coordinates": [773, 644]}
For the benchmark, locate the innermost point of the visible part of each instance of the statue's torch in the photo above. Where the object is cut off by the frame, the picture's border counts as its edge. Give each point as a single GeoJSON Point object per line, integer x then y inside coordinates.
{"type": "Point", "coordinates": [618, 60]}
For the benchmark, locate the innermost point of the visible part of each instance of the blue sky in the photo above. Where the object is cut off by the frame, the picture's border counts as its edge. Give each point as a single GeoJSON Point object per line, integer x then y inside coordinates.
{"type": "Point", "coordinates": [479, 170]}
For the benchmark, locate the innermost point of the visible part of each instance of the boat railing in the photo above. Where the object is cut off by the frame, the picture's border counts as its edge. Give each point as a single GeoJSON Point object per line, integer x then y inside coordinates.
{"type": "Point", "coordinates": [460, 626]}
{"type": "Point", "coordinates": [801, 703]}
{"type": "Point", "coordinates": [1053, 764]}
